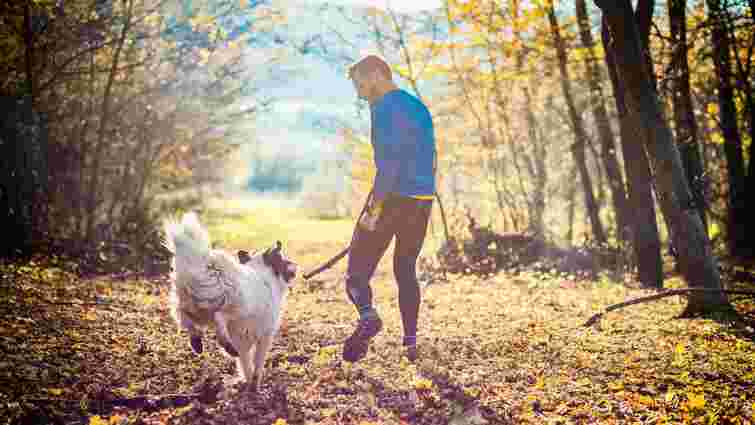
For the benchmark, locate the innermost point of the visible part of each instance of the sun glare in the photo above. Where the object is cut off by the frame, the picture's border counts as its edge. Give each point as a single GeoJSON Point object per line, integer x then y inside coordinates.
{"type": "Point", "coordinates": [397, 5]}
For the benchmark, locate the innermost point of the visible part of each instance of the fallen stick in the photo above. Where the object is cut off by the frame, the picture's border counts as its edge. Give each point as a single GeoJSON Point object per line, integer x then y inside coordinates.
{"type": "Point", "coordinates": [143, 403]}
{"type": "Point", "coordinates": [596, 317]}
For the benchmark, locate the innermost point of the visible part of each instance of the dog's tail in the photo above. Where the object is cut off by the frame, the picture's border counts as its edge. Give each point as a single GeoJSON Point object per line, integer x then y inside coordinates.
{"type": "Point", "coordinates": [187, 239]}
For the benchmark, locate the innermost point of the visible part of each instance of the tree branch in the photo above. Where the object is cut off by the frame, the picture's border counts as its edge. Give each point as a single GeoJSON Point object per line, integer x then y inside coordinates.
{"type": "Point", "coordinates": [595, 318]}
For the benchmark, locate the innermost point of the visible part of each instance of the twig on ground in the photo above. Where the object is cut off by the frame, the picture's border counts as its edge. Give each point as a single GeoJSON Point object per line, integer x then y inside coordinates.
{"type": "Point", "coordinates": [92, 304]}
{"type": "Point", "coordinates": [596, 317]}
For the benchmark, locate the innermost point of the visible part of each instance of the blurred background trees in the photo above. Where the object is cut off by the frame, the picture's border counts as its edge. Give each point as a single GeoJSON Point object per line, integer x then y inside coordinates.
{"type": "Point", "coordinates": [135, 99]}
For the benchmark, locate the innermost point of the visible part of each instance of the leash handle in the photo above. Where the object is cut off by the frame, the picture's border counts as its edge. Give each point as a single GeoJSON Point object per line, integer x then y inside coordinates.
{"type": "Point", "coordinates": [330, 263]}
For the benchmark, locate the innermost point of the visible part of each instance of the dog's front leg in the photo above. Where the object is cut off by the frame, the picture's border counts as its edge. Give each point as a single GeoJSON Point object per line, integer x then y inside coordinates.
{"type": "Point", "coordinates": [263, 346]}
{"type": "Point", "coordinates": [245, 364]}
{"type": "Point", "coordinates": [194, 332]}
{"type": "Point", "coordinates": [224, 339]}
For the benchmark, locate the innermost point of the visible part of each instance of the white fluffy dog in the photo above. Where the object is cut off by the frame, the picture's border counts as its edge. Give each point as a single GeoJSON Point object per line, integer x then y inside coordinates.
{"type": "Point", "coordinates": [243, 298]}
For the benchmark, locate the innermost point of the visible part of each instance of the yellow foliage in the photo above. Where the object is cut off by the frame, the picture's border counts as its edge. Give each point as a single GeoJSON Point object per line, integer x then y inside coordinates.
{"type": "Point", "coordinates": [204, 56]}
{"type": "Point", "coordinates": [202, 23]}
{"type": "Point", "coordinates": [423, 384]}
{"type": "Point", "coordinates": [97, 420]}
{"type": "Point", "coordinates": [696, 401]}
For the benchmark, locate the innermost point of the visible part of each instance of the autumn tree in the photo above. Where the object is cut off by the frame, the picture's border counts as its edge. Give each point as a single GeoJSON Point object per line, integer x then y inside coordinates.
{"type": "Point", "coordinates": [141, 97]}
{"type": "Point", "coordinates": [646, 244]}
{"type": "Point", "coordinates": [722, 45]}
{"type": "Point", "coordinates": [578, 127]}
{"type": "Point", "coordinates": [684, 115]}
{"type": "Point", "coordinates": [697, 263]}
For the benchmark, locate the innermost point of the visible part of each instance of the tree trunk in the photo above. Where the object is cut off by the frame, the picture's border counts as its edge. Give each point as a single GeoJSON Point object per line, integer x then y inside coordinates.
{"type": "Point", "coordinates": [646, 243]}
{"type": "Point", "coordinates": [99, 147]}
{"type": "Point", "coordinates": [572, 204]}
{"type": "Point", "coordinates": [28, 35]}
{"type": "Point", "coordinates": [745, 83]}
{"type": "Point", "coordinates": [721, 44]}
{"type": "Point", "coordinates": [684, 116]}
{"type": "Point", "coordinates": [697, 263]}
{"type": "Point", "coordinates": [536, 167]}
{"type": "Point", "coordinates": [607, 143]}
{"type": "Point", "coordinates": [580, 135]}
{"type": "Point", "coordinates": [750, 224]}
{"type": "Point", "coordinates": [644, 18]}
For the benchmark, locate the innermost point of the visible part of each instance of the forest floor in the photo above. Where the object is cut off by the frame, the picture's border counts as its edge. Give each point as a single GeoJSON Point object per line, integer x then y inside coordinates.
{"type": "Point", "coordinates": [505, 349]}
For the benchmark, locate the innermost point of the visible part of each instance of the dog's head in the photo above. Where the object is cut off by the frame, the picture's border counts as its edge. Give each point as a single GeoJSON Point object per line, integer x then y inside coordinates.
{"type": "Point", "coordinates": [274, 258]}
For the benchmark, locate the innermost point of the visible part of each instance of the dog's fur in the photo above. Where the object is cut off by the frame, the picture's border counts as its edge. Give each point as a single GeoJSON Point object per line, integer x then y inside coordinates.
{"type": "Point", "coordinates": [243, 299]}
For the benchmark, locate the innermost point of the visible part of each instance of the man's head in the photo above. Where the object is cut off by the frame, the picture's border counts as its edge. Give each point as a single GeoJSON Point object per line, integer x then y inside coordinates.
{"type": "Point", "coordinates": [372, 77]}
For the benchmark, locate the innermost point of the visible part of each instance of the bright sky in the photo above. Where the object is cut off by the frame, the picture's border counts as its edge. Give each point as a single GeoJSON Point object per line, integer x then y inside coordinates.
{"type": "Point", "coordinates": [397, 5]}
{"type": "Point", "coordinates": [318, 91]}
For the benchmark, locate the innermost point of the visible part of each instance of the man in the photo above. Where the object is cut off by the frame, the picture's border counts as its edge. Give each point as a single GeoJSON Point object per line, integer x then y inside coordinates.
{"type": "Point", "coordinates": [403, 142]}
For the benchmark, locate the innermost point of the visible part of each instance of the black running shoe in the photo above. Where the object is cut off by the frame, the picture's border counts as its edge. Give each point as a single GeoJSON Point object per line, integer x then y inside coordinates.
{"type": "Point", "coordinates": [196, 344]}
{"type": "Point", "coordinates": [411, 353]}
{"type": "Point", "coordinates": [355, 347]}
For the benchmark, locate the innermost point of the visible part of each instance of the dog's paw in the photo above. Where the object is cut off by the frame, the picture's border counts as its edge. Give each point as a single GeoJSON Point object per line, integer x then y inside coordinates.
{"type": "Point", "coordinates": [196, 344]}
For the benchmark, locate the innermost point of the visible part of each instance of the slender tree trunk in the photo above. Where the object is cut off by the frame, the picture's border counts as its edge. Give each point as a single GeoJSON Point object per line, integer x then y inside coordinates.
{"type": "Point", "coordinates": [29, 51]}
{"type": "Point", "coordinates": [572, 204]}
{"type": "Point", "coordinates": [99, 148]}
{"type": "Point", "coordinates": [536, 168]}
{"type": "Point", "coordinates": [684, 115]}
{"type": "Point", "coordinates": [747, 87]}
{"type": "Point", "coordinates": [750, 224]}
{"type": "Point", "coordinates": [721, 45]}
{"type": "Point", "coordinates": [606, 137]}
{"type": "Point", "coordinates": [644, 18]}
{"type": "Point", "coordinates": [646, 243]}
{"type": "Point", "coordinates": [578, 148]}
{"type": "Point", "coordinates": [696, 260]}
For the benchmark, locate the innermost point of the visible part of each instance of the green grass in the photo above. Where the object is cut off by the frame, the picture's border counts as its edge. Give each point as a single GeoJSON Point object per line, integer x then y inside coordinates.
{"type": "Point", "coordinates": [246, 223]}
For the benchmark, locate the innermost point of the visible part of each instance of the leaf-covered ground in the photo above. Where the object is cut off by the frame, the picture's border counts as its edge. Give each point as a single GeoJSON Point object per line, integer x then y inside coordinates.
{"type": "Point", "coordinates": [505, 349]}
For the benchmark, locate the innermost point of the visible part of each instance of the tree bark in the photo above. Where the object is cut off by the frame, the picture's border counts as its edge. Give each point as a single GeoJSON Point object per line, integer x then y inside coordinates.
{"type": "Point", "coordinates": [29, 51]}
{"type": "Point", "coordinates": [607, 143]}
{"type": "Point", "coordinates": [580, 135]}
{"type": "Point", "coordinates": [721, 45]}
{"type": "Point", "coordinates": [697, 263]}
{"type": "Point", "coordinates": [99, 147]}
{"type": "Point", "coordinates": [646, 244]}
{"type": "Point", "coordinates": [684, 116]}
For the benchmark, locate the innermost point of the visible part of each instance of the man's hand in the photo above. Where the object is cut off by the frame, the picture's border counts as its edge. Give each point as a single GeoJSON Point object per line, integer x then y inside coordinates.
{"type": "Point", "coordinates": [371, 215]}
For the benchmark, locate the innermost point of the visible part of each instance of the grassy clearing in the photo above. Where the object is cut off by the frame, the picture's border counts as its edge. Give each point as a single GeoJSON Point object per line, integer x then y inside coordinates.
{"type": "Point", "coordinates": [507, 349]}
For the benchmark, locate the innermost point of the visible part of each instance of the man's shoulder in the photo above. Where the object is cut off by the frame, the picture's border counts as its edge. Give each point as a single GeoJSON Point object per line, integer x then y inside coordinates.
{"type": "Point", "coordinates": [405, 101]}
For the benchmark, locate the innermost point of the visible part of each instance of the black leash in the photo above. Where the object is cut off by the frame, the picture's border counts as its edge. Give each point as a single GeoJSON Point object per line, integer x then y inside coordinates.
{"type": "Point", "coordinates": [330, 263]}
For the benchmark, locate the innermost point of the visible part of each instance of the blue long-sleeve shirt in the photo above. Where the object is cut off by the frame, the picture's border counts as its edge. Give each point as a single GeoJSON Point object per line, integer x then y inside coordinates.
{"type": "Point", "coordinates": [403, 140]}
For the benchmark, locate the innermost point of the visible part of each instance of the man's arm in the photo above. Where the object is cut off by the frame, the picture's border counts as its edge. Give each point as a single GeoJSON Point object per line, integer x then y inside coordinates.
{"type": "Point", "coordinates": [391, 129]}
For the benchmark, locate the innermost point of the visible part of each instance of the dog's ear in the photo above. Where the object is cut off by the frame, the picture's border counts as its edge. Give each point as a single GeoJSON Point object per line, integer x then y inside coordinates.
{"type": "Point", "coordinates": [244, 256]}
{"type": "Point", "coordinates": [266, 257]}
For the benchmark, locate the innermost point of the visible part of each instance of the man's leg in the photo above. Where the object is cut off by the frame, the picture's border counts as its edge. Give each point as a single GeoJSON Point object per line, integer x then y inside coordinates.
{"type": "Point", "coordinates": [367, 248]}
{"type": "Point", "coordinates": [410, 236]}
